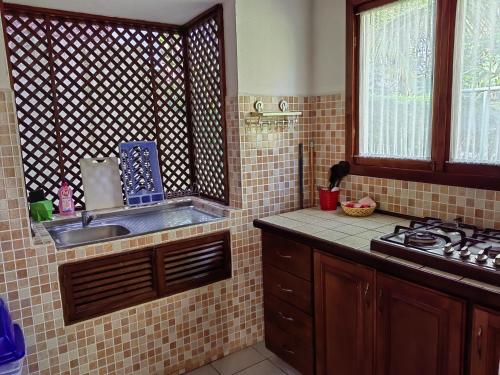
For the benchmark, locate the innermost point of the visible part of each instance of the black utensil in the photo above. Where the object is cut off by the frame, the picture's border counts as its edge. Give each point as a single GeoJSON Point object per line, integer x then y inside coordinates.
{"type": "Point", "coordinates": [334, 175]}
{"type": "Point", "coordinates": [343, 170]}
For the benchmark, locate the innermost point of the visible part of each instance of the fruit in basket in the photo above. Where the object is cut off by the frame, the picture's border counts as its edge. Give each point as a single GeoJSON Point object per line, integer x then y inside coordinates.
{"type": "Point", "coordinates": [363, 207]}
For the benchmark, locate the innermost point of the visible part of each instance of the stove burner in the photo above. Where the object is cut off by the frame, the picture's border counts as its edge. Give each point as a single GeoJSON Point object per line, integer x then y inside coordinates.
{"type": "Point", "coordinates": [420, 239]}
{"type": "Point", "coordinates": [453, 247]}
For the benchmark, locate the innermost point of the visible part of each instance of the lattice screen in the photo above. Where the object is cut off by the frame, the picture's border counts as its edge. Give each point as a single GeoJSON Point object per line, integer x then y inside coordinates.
{"type": "Point", "coordinates": [84, 86]}
{"type": "Point", "coordinates": [206, 76]}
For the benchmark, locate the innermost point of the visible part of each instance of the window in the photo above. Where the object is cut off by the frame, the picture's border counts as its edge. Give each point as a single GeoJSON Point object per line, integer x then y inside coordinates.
{"type": "Point", "coordinates": [85, 83]}
{"type": "Point", "coordinates": [423, 90]}
{"type": "Point", "coordinates": [476, 87]}
{"type": "Point", "coordinates": [396, 75]}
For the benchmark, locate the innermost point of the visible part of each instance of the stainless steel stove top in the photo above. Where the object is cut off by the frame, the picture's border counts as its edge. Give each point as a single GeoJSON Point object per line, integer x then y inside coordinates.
{"type": "Point", "coordinates": [450, 246]}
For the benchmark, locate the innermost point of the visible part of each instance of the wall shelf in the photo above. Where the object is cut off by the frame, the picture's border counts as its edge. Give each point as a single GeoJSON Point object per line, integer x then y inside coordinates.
{"type": "Point", "coordinates": [282, 119]}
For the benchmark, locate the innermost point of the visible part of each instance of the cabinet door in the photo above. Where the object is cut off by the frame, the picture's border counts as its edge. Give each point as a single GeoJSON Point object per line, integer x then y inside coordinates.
{"type": "Point", "coordinates": [344, 312]}
{"type": "Point", "coordinates": [485, 346]}
{"type": "Point", "coordinates": [419, 331]}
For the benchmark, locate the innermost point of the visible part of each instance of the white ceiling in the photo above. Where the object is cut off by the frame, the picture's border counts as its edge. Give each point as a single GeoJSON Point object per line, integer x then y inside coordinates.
{"type": "Point", "coordinates": [176, 12]}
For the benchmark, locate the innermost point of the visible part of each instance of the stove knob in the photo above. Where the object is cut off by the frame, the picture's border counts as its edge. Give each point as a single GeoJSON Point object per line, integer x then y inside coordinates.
{"type": "Point", "coordinates": [482, 256]}
{"type": "Point", "coordinates": [497, 260]}
{"type": "Point", "coordinates": [448, 249]}
{"type": "Point", "coordinates": [464, 252]}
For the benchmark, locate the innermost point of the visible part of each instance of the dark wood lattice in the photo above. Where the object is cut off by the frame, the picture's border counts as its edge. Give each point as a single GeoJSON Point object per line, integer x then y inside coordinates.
{"type": "Point", "coordinates": [207, 93]}
{"type": "Point", "coordinates": [85, 85]}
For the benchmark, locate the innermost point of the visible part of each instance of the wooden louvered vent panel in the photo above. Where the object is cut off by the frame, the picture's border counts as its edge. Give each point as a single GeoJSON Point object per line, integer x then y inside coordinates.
{"type": "Point", "coordinates": [99, 286]}
{"type": "Point", "coordinates": [183, 266]}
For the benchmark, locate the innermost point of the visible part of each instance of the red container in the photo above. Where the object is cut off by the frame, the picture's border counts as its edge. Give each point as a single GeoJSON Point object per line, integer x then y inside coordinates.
{"type": "Point", "coordinates": [328, 200]}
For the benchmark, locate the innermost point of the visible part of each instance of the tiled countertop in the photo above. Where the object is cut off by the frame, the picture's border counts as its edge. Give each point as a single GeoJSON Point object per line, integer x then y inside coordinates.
{"type": "Point", "coordinates": [356, 233]}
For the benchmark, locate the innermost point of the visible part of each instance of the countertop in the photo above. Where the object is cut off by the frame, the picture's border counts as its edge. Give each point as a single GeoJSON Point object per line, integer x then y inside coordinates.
{"type": "Point", "coordinates": [354, 233]}
{"type": "Point", "coordinates": [44, 244]}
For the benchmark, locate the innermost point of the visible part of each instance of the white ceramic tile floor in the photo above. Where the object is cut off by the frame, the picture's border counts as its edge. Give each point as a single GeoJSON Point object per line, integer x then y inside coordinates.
{"type": "Point", "coordinates": [256, 360]}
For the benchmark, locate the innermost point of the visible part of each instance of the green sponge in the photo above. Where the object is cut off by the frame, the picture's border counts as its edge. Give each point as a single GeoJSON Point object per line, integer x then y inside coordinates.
{"type": "Point", "coordinates": [41, 210]}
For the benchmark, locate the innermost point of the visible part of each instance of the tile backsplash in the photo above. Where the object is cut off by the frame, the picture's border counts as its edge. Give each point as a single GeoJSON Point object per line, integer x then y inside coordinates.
{"type": "Point", "coordinates": [475, 206]}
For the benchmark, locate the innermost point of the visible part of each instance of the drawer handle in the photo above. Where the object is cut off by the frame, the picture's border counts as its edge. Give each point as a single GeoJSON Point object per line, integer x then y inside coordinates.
{"type": "Point", "coordinates": [286, 350]}
{"type": "Point", "coordinates": [367, 296]}
{"type": "Point", "coordinates": [285, 290]}
{"type": "Point", "coordinates": [284, 317]}
{"type": "Point", "coordinates": [479, 341]}
{"type": "Point", "coordinates": [283, 256]}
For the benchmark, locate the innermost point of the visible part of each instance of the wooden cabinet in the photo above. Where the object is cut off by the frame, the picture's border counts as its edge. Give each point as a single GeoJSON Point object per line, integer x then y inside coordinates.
{"type": "Point", "coordinates": [485, 344]}
{"type": "Point", "coordinates": [344, 312]}
{"type": "Point", "coordinates": [419, 331]}
{"type": "Point", "coordinates": [288, 305]}
{"type": "Point", "coordinates": [356, 320]}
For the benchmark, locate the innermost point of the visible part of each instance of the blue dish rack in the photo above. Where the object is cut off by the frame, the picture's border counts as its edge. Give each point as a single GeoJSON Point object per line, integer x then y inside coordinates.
{"type": "Point", "coordinates": [141, 173]}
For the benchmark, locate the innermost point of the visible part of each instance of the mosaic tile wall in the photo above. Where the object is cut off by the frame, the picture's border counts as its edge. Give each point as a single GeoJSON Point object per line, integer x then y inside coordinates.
{"type": "Point", "coordinates": [475, 206]}
{"type": "Point", "coordinates": [182, 332]}
{"type": "Point", "coordinates": [174, 334]}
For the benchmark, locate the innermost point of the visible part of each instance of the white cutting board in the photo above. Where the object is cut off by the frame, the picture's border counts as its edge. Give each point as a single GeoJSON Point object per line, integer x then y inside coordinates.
{"type": "Point", "coordinates": [101, 183]}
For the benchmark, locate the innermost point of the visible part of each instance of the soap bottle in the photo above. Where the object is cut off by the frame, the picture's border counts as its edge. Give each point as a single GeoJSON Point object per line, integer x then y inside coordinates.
{"type": "Point", "coordinates": [66, 202]}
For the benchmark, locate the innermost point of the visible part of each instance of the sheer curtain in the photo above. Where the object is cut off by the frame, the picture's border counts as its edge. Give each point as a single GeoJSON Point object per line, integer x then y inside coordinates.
{"type": "Point", "coordinates": [396, 77]}
{"type": "Point", "coordinates": [476, 86]}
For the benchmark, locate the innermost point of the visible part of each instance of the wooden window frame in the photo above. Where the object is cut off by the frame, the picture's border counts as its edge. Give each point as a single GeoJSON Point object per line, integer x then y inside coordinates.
{"type": "Point", "coordinates": [214, 13]}
{"type": "Point", "coordinates": [438, 170]}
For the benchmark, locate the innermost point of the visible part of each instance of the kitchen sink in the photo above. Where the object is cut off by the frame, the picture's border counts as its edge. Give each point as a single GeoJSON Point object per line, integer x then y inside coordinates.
{"type": "Point", "coordinates": [74, 237]}
{"type": "Point", "coordinates": [125, 223]}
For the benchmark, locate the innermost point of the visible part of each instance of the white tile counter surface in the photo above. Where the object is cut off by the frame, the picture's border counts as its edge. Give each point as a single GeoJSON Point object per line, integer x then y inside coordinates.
{"type": "Point", "coordinates": [356, 233]}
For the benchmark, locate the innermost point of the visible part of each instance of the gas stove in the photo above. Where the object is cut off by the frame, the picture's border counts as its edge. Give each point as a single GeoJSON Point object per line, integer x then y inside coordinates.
{"type": "Point", "coordinates": [453, 247]}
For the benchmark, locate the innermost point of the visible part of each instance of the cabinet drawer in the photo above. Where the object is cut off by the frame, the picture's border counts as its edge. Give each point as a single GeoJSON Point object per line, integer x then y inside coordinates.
{"type": "Point", "coordinates": [290, 348]}
{"type": "Point", "coordinates": [288, 318]}
{"type": "Point", "coordinates": [287, 255]}
{"type": "Point", "coordinates": [288, 288]}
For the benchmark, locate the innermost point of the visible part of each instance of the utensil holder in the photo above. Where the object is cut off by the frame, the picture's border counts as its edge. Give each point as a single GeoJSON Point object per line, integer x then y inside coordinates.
{"type": "Point", "coordinates": [328, 200]}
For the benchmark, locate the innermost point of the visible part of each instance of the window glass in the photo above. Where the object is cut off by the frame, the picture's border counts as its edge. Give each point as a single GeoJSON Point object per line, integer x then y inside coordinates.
{"type": "Point", "coordinates": [395, 80]}
{"type": "Point", "coordinates": [475, 134]}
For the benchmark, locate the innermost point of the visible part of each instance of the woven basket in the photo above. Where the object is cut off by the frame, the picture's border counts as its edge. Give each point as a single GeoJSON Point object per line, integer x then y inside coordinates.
{"type": "Point", "coordinates": [358, 212]}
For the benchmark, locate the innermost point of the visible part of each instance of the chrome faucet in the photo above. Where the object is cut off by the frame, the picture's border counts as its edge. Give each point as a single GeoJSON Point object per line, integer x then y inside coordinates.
{"type": "Point", "coordinates": [87, 217]}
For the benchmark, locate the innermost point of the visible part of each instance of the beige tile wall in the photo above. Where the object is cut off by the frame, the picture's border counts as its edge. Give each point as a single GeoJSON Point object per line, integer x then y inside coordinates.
{"type": "Point", "coordinates": [475, 206]}
{"type": "Point", "coordinates": [167, 336]}
{"type": "Point", "coordinates": [179, 333]}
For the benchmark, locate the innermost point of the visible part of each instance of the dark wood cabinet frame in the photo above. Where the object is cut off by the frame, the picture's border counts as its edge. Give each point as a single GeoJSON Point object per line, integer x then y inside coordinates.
{"type": "Point", "coordinates": [439, 169]}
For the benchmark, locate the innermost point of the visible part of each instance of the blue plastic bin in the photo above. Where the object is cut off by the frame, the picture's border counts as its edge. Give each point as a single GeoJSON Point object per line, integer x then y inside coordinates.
{"type": "Point", "coordinates": [12, 347]}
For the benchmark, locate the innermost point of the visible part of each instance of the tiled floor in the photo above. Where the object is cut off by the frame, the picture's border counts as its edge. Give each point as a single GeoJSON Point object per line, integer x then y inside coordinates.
{"type": "Point", "coordinates": [256, 360]}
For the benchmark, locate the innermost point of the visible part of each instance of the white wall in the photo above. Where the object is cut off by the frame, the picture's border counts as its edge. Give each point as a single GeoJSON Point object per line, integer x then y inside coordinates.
{"type": "Point", "coordinates": [230, 48]}
{"type": "Point", "coordinates": [329, 36]}
{"type": "Point", "coordinates": [4, 70]}
{"type": "Point", "coordinates": [274, 46]}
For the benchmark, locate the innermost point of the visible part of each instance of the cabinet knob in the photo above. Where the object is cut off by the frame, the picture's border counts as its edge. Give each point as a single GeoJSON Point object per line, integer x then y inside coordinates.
{"type": "Point", "coordinates": [367, 297]}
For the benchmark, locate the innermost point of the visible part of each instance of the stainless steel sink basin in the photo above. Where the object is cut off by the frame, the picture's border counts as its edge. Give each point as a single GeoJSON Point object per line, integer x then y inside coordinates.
{"type": "Point", "coordinates": [126, 223]}
{"type": "Point", "coordinates": [73, 237]}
